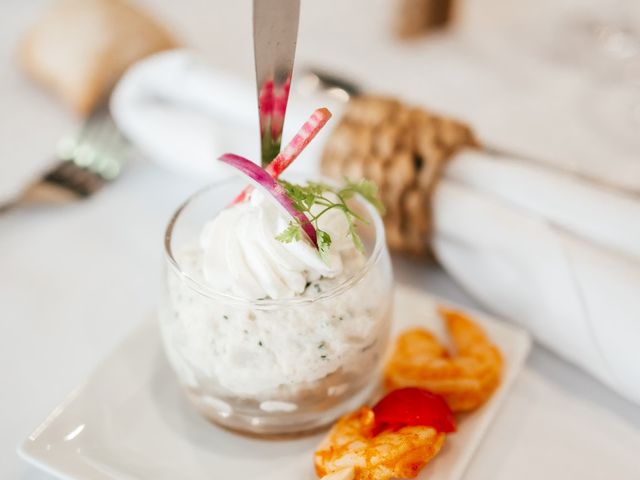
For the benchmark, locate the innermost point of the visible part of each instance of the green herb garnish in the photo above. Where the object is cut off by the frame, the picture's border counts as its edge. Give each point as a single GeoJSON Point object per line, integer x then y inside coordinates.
{"type": "Point", "coordinates": [305, 197]}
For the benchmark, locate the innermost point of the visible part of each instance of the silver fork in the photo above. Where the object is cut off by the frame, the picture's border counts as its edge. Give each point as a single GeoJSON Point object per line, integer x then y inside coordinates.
{"type": "Point", "coordinates": [87, 160]}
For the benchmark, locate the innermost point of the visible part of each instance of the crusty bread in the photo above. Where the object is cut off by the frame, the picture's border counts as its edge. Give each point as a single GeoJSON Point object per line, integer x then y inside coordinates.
{"type": "Point", "coordinates": [415, 17]}
{"type": "Point", "coordinates": [81, 47]}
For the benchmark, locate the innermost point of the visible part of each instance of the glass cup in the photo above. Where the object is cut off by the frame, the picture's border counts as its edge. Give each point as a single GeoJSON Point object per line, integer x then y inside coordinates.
{"type": "Point", "coordinates": [273, 366]}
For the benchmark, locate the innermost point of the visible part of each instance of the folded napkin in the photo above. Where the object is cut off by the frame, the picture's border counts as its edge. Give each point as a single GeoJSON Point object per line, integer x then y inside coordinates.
{"type": "Point", "coordinates": [553, 251]}
{"type": "Point", "coordinates": [557, 254]}
{"type": "Point", "coordinates": [183, 114]}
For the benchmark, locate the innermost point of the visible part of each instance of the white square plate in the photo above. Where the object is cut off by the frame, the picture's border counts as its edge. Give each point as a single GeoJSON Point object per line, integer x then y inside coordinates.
{"type": "Point", "coordinates": [130, 419]}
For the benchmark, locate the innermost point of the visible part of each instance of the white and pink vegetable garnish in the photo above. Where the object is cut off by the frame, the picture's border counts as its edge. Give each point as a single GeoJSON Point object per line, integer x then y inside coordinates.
{"type": "Point", "coordinates": [309, 130]}
{"type": "Point", "coordinates": [262, 179]}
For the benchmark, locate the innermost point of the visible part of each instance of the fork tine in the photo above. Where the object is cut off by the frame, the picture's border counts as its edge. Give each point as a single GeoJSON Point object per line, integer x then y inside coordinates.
{"type": "Point", "coordinates": [74, 178]}
{"type": "Point", "coordinates": [87, 159]}
{"type": "Point", "coordinates": [110, 149]}
{"type": "Point", "coordinates": [81, 171]}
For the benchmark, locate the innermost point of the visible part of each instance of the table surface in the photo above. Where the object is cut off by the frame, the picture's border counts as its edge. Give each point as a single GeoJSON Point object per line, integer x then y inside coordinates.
{"type": "Point", "coordinates": [76, 280]}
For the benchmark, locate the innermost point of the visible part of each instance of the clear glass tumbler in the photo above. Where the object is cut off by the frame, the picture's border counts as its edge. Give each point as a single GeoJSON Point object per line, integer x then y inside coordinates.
{"type": "Point", "coordinates": [273, 366]}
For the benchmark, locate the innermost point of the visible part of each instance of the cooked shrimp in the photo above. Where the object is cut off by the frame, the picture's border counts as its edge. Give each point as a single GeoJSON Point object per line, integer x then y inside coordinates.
{"type": "Point", "coordinates": [465, 380]}
{"type": "Point", "coordinates": [350, 448]}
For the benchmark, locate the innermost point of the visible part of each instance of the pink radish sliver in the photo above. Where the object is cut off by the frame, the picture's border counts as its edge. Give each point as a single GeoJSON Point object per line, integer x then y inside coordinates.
{"type": "Point", "coordinates": [263, 180]}
{"type": "Point", "coordinates": [294, 148]}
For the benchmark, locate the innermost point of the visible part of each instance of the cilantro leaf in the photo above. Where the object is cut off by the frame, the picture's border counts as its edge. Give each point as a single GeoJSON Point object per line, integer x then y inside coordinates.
{"type": "Point", "coordinates": [357, 241]}
{"type": "Point", "coordinates": [368, 190]}
{"type": "Point", "coordinates": [324, 243]}
{"type": "Point", "coordinates": [292, 233]}
{"type": "Point", "coordinates": [327, 197]}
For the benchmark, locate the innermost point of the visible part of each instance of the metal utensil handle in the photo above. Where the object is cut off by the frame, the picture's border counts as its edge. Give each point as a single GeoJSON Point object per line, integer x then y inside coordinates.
{"type": "Point", "coordinates": [275, 32]}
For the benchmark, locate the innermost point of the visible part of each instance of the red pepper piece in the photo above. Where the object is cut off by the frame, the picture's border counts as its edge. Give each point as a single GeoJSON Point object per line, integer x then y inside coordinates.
{"type": "Point", "coordinates": [412, 407]}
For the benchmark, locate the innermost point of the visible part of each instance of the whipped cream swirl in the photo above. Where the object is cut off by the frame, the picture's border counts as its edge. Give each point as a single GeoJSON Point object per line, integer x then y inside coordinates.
{"type": "Point", "coordinates": [242, 255]}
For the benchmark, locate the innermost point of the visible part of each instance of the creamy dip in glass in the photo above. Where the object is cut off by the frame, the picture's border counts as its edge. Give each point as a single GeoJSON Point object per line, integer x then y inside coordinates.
{"type": "Point", "coordinates": [272, 365]}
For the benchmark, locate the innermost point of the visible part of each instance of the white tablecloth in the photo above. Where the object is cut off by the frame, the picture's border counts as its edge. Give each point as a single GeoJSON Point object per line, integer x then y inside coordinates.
{"type": "Point", "coordinates": [75, 280]}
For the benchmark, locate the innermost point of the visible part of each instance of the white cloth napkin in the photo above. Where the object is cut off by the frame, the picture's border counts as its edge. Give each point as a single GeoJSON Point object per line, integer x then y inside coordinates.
{"type": "Point", "coordinates": [183, 114]}
{"type": "Point", "coordinates": [554, 252]}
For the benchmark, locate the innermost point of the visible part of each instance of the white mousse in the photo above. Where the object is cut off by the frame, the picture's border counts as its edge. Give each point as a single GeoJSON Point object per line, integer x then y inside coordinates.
{"type": "Point", "coordinates": [325, 346]}
{"type": "Point", "coordinates": [242, 255]}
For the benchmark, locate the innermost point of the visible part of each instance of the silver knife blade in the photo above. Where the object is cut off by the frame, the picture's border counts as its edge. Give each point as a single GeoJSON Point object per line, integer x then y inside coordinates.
{"type": "Point", "coordinates": [275, 33]}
